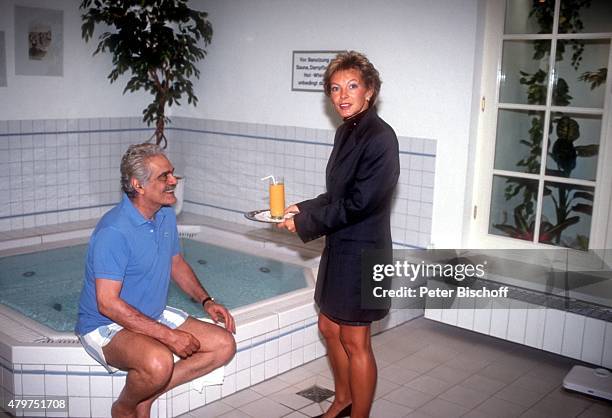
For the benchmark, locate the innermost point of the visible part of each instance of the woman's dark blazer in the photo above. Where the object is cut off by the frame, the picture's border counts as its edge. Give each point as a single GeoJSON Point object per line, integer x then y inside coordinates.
{"type": "Point", "coordinates": [354, 214]}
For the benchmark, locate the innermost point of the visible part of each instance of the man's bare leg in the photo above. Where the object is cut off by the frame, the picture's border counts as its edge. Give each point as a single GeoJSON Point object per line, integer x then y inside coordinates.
{"type": "Point", "coordinates": [149, 364]}
{"type": "Point", "coordinates": [217, 347]}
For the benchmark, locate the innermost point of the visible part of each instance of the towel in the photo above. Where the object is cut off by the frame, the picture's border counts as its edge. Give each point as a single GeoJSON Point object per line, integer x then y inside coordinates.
{"type": "Point", "coordinates": [215, 377]}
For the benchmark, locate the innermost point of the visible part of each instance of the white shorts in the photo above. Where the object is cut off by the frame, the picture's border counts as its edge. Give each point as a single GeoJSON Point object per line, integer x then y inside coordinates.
{"type": "Point", "coordinates": [94, 341]}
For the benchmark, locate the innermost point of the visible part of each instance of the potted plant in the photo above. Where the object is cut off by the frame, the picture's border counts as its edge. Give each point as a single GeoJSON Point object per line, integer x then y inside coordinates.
{"type": "Point", "coordinates": [156, 42]}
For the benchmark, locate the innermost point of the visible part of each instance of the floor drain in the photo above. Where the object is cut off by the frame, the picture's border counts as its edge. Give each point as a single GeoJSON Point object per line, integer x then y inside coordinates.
{"type": "Point", "coordinates": [316, 393]}
{"type": "Point", "coordinates": [202, 262]}
{"type": "Point", "coordinates": [264, 270]}
{"type": "Point", "coordinates": [28, 274]}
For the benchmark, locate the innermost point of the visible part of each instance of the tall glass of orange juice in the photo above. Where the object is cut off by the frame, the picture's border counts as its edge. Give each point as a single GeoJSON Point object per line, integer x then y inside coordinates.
{"type": "Point", "coordinates": [277, 198]}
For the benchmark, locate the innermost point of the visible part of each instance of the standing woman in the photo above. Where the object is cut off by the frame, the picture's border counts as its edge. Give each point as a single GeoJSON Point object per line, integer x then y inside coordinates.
{"type": "Point", "coordinates": [354, 215]}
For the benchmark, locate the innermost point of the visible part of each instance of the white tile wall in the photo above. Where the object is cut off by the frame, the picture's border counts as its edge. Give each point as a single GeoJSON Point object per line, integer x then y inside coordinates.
{"type": "Point", "coordinates": [227, 159]}
{"type": "Point", "coordinates": [100, 407]}
{"type": "Point", "coordinates": [517, 322]}
{"type": "Point", "coordinates": [32, 383]}
{"type": "Point", "coordinates": [607, 348]}
{"type": "Point", "coordinates": [553, 330]}
{"type": "Point", "coordinates": [284, 362]}
{"type": "Point", "coordinates": [229, 386]}
{"type": "Point", "coordinates": [78, 383]}
{"type": "Point", "coordinates": [534, 331]}
{"type": "Point", "coordinates": [101, 386]}
{"type": "Point", "coordinates": [499, 319]}
{"type": "Point", "coordinates": [243, 379]}
{"type": "Point", "coordinates": [573, 335]}
{"type": "Point", "coordinates": [79, 407]}
{"type": "Point", "coordinates": [271, 368]}
{"type": "Point", "coordinates": [56, 171]}
{"type": "Point", "coordinates": [297, 357]}
{"type": "Point", "coordinates": [482, 318]}
{"type": "Point", "coordinates": [56, 382]}
{"type": "Point", "coordinates": [560, 332]}
{"type": "Point", "coordinates": [594, 333]}
{"type": "Point", "coordinates": [257, 373]}
{"type": "Point", "coordinates": [180, 403]}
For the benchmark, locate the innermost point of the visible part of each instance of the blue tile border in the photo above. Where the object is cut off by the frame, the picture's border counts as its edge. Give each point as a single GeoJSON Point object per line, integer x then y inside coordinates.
{"type": "Point", "coordinates": [208, 205]}
{"type": "Point", "coordinates": [84, 131]}
{"type": "Point", "coordinates": [58, 211]}
{"type": "Point", "coordinates": [266, 138]}
{"type": "Point", "coordinates": [203, 131]}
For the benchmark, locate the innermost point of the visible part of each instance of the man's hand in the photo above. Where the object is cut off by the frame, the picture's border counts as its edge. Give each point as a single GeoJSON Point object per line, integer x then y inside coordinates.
{"type": "Point", "coordinates": [218, 313]}
{"type": "Point", "coordinates": [181, 343]}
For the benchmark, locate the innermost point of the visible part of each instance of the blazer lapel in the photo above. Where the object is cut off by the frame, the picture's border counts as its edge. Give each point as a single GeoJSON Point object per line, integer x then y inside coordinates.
{"type": "Point", "coordinates": [342, 150]}
{"type": "Point", "coordinates": [335, 150]}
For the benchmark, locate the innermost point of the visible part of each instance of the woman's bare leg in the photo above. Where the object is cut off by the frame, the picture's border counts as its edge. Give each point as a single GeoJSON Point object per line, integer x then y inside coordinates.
{"type": "Point", "coordinates": [339, 361]}
{"type": "Point", "coordinates": [356, 340]}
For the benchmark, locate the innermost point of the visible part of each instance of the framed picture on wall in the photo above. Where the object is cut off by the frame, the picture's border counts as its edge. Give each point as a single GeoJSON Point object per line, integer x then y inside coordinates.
{"type": "Point", "coordinates": [2, 60]}
{"type": "Point", "coordinates": [39, 41]}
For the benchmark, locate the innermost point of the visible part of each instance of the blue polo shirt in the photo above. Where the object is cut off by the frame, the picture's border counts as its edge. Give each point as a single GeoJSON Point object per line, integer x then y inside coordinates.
{"type": "Point", "coordinates": [135, 251]}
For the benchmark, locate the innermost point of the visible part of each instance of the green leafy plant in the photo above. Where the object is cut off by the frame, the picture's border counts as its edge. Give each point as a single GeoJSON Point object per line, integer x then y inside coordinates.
{"type": "Point", "coordinates": [156, 42]}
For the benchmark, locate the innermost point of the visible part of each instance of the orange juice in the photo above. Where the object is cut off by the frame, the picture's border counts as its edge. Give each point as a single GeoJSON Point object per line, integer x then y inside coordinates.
{"type": "Point", "coordinates": [277, 200]}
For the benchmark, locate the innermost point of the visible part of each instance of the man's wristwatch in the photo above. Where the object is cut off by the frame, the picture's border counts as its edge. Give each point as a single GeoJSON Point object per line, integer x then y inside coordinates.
{"type": "Point", "coordinates": [208, 299]}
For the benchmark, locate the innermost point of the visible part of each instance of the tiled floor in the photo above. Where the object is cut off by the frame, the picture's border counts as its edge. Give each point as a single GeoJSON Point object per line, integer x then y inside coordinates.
{"type": "Point", "coordinates": [429, 369]}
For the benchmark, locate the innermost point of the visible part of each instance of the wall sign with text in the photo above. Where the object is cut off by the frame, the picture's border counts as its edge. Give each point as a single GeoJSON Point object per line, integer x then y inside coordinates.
{"type": "Point", "coordinates": [308, 69]}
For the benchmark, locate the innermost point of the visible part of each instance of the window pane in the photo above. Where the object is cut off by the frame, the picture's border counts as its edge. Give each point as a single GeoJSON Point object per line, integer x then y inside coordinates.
{"type": "Point", "coordinates": [518, 146]}
{"type": "Point", "coordinates": [524, 72]}
{"type": "Point", "coordinates": [566, 215]}
{"type": "Point", "coordinates": [585, 16]}
{"type": "Point", "coordinates": [580, 73]}
{"type": "Point", "coordinates": [513, 207]}
{"type": "Point", "coordinates": [573, 146]}
{"type": "Point", "coordinates": [528, 16]}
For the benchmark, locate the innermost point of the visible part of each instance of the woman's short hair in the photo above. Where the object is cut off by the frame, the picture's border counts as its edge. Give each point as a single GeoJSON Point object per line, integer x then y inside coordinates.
{"type": "Point", "coordinates": [352, 60]}
{"type": "Point", "coordinates": [134, 164]}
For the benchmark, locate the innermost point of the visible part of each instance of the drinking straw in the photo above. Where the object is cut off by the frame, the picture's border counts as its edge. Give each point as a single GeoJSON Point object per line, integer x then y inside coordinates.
{"type": "Point", "coordinates": [269, 177]}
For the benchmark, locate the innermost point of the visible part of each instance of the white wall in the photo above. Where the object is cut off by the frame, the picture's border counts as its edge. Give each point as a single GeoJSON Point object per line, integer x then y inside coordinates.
{"type": "Point", "coordinates": [83, 91]}
{"type": "Point", "coordinates": [425, 52]}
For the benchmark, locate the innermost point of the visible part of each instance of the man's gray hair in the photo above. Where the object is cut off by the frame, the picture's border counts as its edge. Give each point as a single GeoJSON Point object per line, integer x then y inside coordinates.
{"type": "Point", "coordinates": [134, 164]}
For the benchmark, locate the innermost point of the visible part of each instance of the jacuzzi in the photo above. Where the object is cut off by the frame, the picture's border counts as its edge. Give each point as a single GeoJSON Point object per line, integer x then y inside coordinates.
{"type": "Point", "coordinates": [273, 335]}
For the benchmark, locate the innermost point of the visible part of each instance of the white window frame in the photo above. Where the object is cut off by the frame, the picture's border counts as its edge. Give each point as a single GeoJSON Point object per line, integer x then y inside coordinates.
{"type": "Point", "coordinates": [601, 221]}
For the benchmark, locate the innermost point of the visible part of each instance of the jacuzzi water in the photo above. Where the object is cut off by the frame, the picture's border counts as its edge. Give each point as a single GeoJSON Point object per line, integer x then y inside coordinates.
{"type": "Point", "coordinates": [45, 286]}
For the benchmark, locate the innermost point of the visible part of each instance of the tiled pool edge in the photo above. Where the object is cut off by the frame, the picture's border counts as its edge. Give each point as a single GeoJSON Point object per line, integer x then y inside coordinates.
{"type": "Point", "coordinates": [271, 340]}
{"type": "Point", "coordinates": [268, 345]}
